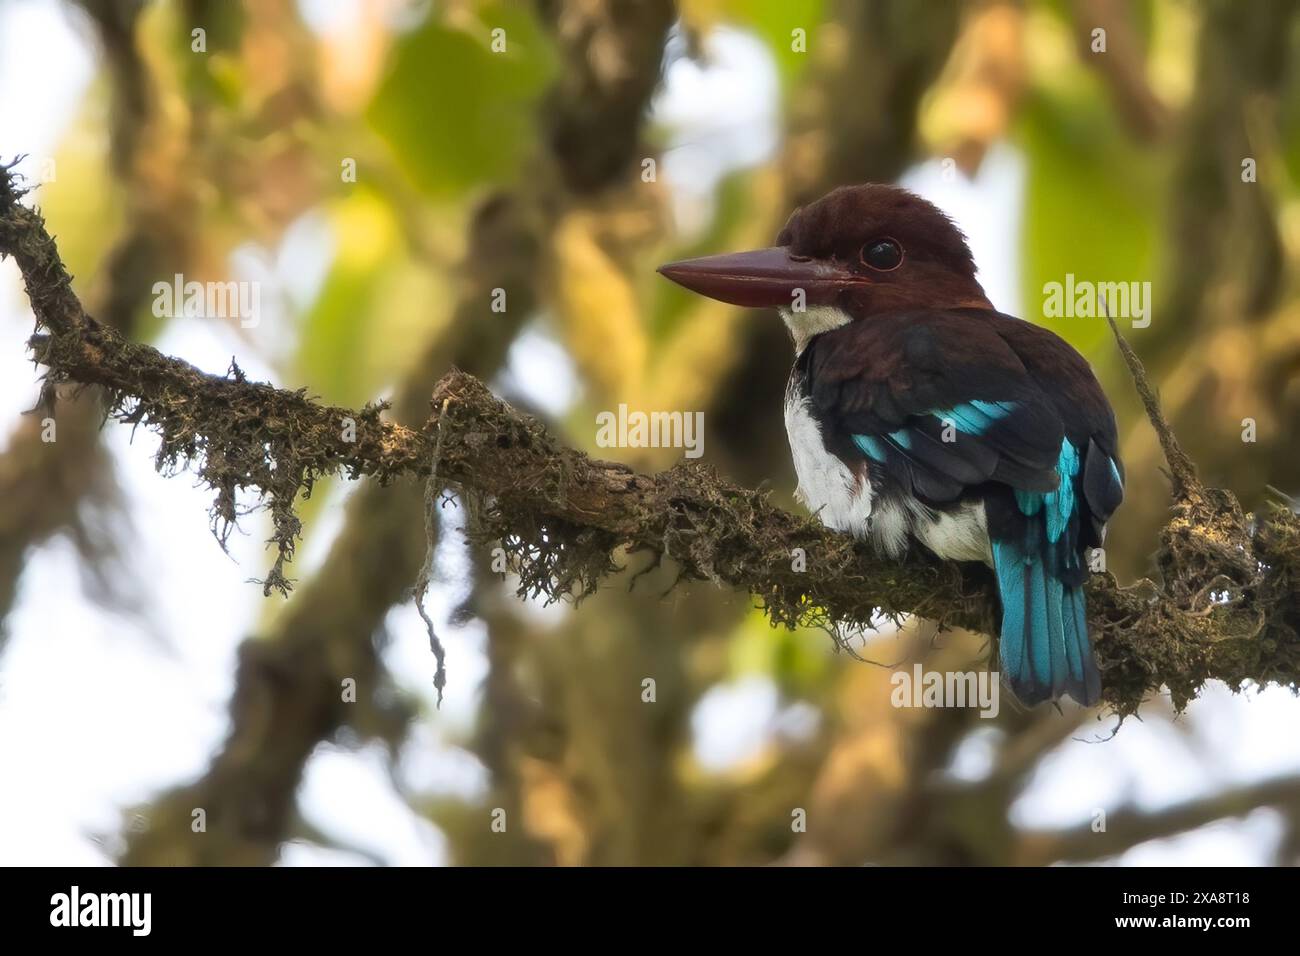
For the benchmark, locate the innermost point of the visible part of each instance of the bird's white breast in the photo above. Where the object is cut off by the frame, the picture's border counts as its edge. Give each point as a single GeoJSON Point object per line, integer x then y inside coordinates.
{"type": "Point", "coordinates": [826, 485]}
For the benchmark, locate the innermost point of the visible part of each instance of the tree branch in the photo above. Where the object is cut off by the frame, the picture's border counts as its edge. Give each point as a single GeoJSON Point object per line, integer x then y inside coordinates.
{"type": "Point", "coordinates": [1227, 606]}
{"type": "Point", "coordinates": [1128, 827]}
{"type": "Point", "coordinates": [286, 698]}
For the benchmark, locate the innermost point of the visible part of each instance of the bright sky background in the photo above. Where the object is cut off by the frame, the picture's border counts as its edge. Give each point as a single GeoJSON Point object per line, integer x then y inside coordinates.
{"type": "Point", "coordinates": [99, 709]}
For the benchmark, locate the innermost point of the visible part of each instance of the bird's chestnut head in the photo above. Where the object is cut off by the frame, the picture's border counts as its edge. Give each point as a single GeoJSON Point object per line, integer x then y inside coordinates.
{"type": "Point", "coordinates": [856, 253]}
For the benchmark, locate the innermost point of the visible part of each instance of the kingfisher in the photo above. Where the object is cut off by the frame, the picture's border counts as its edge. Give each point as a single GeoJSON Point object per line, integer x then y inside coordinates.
{"type": "Point", "coordinates": [921, 417]}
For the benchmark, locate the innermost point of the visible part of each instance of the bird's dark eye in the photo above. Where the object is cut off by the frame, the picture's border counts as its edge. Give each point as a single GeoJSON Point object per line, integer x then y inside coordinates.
{"type": "Point", "coordinates": [882, 254]}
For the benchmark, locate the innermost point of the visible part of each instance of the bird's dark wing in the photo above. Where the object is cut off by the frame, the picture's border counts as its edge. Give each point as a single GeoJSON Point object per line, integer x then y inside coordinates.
{"type": "Point", "coordinates": [1067, 380]}
{"type": "Point", "coordinates": [940, 402]}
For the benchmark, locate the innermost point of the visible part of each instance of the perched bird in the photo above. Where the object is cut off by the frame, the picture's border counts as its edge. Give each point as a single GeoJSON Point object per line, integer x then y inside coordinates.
{"type": "Point", "coordinates": [920, 415]}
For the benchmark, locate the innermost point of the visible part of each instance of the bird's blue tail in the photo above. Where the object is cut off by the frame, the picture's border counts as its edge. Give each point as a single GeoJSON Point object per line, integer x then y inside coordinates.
{"type": "Point", "coordinates": [1045, 650]}
{"type": "Point", "coordinates": [1044, 647]}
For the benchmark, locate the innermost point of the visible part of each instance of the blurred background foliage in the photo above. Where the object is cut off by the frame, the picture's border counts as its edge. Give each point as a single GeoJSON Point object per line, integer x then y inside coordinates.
{"type": "Point", "coordinates": [523, 169]}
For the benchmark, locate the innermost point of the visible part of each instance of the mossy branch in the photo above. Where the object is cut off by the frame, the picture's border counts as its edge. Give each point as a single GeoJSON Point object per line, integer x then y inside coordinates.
{"type": "Point", "coordinates": [1227, 606]}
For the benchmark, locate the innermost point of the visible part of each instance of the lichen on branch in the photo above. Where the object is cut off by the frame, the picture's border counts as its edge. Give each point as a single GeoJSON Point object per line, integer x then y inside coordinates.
{"type": "Point", "coordinates": [240, 436]}
{"type": "Point", "coordinates": [1227, 605]}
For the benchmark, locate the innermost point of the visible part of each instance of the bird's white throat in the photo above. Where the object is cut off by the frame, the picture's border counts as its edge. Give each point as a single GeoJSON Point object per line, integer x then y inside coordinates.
{"type": "Point", "coordinates": [813, 320]}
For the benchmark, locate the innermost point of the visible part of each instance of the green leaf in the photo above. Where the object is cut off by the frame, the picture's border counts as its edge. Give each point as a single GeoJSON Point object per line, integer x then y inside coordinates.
{"type": "Point", "coordinates": [336, 331]}
{"type": "Point", "coordinates": [799, 661]}
{"type": "Point", "coordinates": [454, 112]}
{"type": "Point", "coordinates": [775, 22]}
{"type": "Point", "coordinates": [1092, 201]}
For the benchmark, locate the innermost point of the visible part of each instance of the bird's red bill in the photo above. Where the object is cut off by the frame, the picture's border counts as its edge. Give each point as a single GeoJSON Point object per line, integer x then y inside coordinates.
{"type": "Point", "coordinates": [764, 278]}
